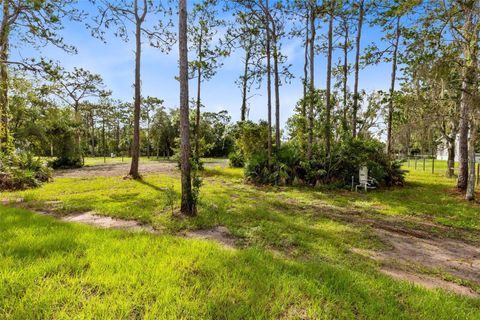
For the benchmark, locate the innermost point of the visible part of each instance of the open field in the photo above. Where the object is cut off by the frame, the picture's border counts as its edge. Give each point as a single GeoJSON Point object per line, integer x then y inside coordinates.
{"type": "Point", "coordinates": [252, 252]}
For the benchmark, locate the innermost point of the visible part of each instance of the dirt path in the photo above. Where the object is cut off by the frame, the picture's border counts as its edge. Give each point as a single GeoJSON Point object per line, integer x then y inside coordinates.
{"type": "Point", "coordinates": [117, 169]}
{"type": "Point", "coordinates": [122, 168]}
{"type": "Point", "coordinates": [218, 234]}
{"type": "Point", "coordinates": [415, 247]}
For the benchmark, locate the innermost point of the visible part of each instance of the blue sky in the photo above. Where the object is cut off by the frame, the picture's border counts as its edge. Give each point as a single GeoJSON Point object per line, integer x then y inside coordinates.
{"type": "Point", "coordinates": [114, 61]}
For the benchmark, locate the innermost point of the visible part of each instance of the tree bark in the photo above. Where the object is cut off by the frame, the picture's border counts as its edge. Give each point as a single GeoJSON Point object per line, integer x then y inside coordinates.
{"type": "Point", "coordinates": [269, 83]}
{"type": "Point", "coordinates": [313, 10]}
{"type": "Point", "coordinates": [199, 83]}
{"type": "Point", "coordinates": [392, 89]}
{"type": "Point", "coordinates": [470, 194]}
{"type": "Point", "coordinates": [305, 74]}
{"type": "Point", "coordinates": [93, 134]}
{"type": "Point", "coordinates": [328, 99]}
{"type": "Point", "coordinates": [187, 206]}
{"type": "Point", "coordinates": [451, 156]}
{"type": "Point", "coordinates": [4, 106]}
{"type": "Point", "coordinates": [357, 68]}
{"type": "Point", "coordinates": [465, 104]}
{"type": "Point", "coordinates": [136, 112]}
{"type": "Point", "coordinates": [243, 109]}
{"type": "Point", "coordinates": [277, 87]}
{"type": "Point", "coordinates": [345, 69]}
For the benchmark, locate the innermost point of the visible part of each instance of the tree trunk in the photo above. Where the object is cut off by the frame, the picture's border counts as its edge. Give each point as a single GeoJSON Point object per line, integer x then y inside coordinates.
{"type": "Point", "coordinates": [136, 112]}
{"type": "Point", "coordinates": [392, 89]}
{"type": "Point", "coordinates": [277, 89]}
{"type": "Point", "coordinates": [78, 133]}
{"type": "Point", "coordinates": [465, 104]}
{"type": "Point", "coordinates": [197, 116]}
{"type": "Point", "coordinates": [357, 68]}
{"type": "Point", "coordinates": [103, 142]}
{"type": "Point", "coordinates": [269, 83]}
{"type": "Point", "coordinates": [5, 143]}
{"type": "Point", "coordinates": [243, 110]}
{"type": "Point", "coordinates": [345, 69]}
{"type": "Point", "coordinates": [305, 74]}
{"type": "Point", "coordinates": [328, 103]}
{"type": "Point", "coordinates": [313, 10]}
{"type": "Point", "coordinates": [93, 134]}
{"type": "Point", "coordinates": [470, 194]}
{"type": "Point", "coordinates": [187, 206]}
{"type": "Point", "coordinates": [148, 134]}
{"type": "Point", "coordinates": [451, 156]}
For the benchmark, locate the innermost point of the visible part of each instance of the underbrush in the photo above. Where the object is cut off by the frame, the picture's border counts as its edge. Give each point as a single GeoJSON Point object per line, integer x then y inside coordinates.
{"type": "Point", "coordinates": [22, 171]}
{"type": "Point", "coordinates": [289, 165]}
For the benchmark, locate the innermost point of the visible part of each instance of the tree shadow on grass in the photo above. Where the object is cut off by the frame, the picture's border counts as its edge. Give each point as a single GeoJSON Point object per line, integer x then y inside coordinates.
{"type": "Point", "coordinates": [41, 243]}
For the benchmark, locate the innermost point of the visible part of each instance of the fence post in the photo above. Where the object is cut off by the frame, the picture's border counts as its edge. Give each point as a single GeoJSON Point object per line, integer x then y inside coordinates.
{"type": "Point", "coordinates": [415, 162]}
{"type": "Point", "coordinates": [478, 174]}
{"type": "Point", "coordinates": [433, 165]}
{"type": "Point", "coordinates": [424, 160]}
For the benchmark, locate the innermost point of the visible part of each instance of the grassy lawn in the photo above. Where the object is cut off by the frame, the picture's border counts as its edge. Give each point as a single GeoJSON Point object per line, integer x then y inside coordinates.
{"type": "Point", "coordinates": [294, 260]}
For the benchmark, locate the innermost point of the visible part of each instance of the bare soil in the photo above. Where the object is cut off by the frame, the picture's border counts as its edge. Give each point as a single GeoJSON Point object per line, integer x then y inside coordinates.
{"type": "Point", "coordinates": [122, 169]}
{"type": "Point", "coordinates": [219, 234]}
{"type": "Point", "coordinates": [117, 169]}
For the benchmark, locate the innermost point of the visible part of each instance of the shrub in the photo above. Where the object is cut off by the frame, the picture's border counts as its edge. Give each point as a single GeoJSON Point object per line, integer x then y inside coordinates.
{"type": "Point", "coordinates": [288, 165]}
{"type": "Point", "coordinates": [236, 159]}
{"type": "Point", "coordinates": [66, 163]}
{"type": "Point", "coordinates": [22, 171]}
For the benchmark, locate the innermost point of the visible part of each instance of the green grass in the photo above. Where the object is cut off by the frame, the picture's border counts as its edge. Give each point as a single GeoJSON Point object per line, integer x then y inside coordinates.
{"type": "Point", "coordinates": [295, 261]}
{"type": "Point", "coordinates": [50, 269]}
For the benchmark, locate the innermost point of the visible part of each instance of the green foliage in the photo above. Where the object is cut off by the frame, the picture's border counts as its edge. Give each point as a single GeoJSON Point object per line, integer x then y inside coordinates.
{"type": "Point", "coordinates": [22, 171]}
{"type": "Point", "coordinates": [289, 166]}
{"type": "Point", "coordinates": [236, 159]}
{"type": "Point", "coordinates": [251, 138]}
{"type": "Point", "coordinates": [170, 197]}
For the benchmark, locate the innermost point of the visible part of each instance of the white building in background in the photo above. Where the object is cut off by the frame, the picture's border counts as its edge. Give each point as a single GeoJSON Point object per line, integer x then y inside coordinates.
{"type": "Point", "coordinates": [442, 149]}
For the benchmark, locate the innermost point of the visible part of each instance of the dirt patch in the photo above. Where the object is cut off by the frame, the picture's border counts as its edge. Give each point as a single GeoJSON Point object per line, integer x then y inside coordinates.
{"type": "Point", "coordinates": [450, 256]}
{"type": "Point", "coordinates": [118, 169]}
{"type": "Point", "coordinates": [122, 169]}
{"type": "Point", "coordinates": [415, 244]}
{"type": "Point", "coordinates": [104, 222]}
{"type": "Point", "coordinates": [429, 282]}
{"type": "Point", "coordinates": [219, 234]}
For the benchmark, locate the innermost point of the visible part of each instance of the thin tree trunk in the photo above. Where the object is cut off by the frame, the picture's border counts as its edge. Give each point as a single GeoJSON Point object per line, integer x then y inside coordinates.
{"type": "Point", "coordinates": [305, 74]}
{"type": "Point", "coordinates": [103, 142]}
{"type": "Point", "coordinates": [269, 84]}
{"type": "Point", "coordinates": [78, 133]}
{"type": "Point", "coordinates": [148, 134]}
{"type": "Point", "coordinates": [187, 206]}
{"type": "Point", "coordinates": [345, 69]}
{"type": "Point", "coordinates": [4, 107]}
{"type": "Point", "coordinates": [451, 156]}
{"type": "Point", "coordinates": [197, 116]}
{"type": "Point", "coordinates": [243, 109]}
{"type": "Point", "coordinates": [357, 68]}
{"type": "Point", "coordinates": [136, 112]}
{"type": "Point", "coordinates": [277, 89]}
{"type": "Point", "coordinates": [470, 194]}
{"type": "Point", "coordinates": [463, 138]}
{"type": "Point", "coordinates": [465, 104]}
{"type": "Point", "coordinates": [328, 103]}
{"type": "Point", "coordinates": [93, 136]}
{"type": "Point", "coordinates": [392, 89]}
{"type": "Point", "coordinates": [312, 78]}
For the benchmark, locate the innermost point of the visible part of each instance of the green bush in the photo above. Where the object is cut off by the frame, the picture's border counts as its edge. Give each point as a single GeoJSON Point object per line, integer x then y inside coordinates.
{"type": "Point", "coordinates": [22, 171]}
{"type": "Point", "coordinates": [66, 163]}
{"type": "Point", "coordinates": [289, 166]}
{"type": "Point", "coordinates": [236, 159]}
